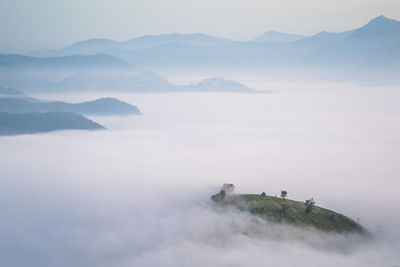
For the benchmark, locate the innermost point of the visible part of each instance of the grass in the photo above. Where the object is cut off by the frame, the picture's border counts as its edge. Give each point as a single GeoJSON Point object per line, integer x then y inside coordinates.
{"type": "Point", "coordinates": [294, 212]}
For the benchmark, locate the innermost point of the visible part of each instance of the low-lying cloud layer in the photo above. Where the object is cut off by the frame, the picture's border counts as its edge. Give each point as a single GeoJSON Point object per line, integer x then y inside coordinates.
{"type": "Point", "coordinates": [138, 194]}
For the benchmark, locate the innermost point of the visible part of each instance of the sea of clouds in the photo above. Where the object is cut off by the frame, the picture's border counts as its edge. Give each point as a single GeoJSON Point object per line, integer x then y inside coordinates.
{"type": "Point", "coordinates": [138, 194]}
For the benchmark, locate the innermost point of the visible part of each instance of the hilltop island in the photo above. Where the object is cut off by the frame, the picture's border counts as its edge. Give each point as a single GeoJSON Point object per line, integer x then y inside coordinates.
{"type": "Point", "coordinates": [23, 114]}
{"type": "Point", "coordinates": [31, 123]}
{"type": "Point", "coordinates": [16, 101]}
{"type": "Point", "coordinates": [282, 210]}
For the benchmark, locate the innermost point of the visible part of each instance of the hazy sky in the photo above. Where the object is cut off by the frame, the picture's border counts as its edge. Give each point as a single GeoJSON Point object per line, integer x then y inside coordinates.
{"type": "Point", "coordinates": [27, 24]}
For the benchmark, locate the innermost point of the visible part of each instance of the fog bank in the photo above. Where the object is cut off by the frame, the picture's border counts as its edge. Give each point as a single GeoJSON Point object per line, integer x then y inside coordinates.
{"type": "Point", "coordinates": [138, 193]}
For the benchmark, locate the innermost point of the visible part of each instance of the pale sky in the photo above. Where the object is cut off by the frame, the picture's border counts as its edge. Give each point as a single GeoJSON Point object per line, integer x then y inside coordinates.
{"type": "Point", "coordinates": [29, 24]}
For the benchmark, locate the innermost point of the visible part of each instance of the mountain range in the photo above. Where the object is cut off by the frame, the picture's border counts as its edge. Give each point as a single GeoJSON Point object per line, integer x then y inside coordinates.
{"type": "Point", "coordinates": [11, 62]}
{"type": "Point", "coordinates": [366, 53]}
{"type": "Point", "coordinates": [16, 101]}
{"type": "Point", "coordinates": [146, 81]}
{"type": "Point", "coordinates": [94, 46]}
{"type": "Point", "coordinates": [379, 29]}
{"type": "Point", "coordinates": [23, 114]}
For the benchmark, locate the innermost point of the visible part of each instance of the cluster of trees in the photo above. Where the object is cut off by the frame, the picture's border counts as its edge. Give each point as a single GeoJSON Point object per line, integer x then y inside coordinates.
{"type": "Point", "coordinates": [225, 190]}
{"type": "Point", "coordinates": [283, 194]}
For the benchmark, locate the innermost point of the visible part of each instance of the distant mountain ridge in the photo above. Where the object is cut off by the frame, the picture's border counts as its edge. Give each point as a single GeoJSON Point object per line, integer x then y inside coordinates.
{"type": "Point", "coordinates": [86, 47]}
{"type": "Point", "coordinates": [23, 114]}
{"type": "Point", "coordinates": [218, 84]}
{"type": "Point", "coordinates": [370, 52]}
{"type": "Point", "coordinates": [278, 37]}
{"type": "Point", "coordinates": [147, 81]}
{"type": "Point", "coordinates": [197, 39]}
{"type": "Point", "coordinates": [94, 46]}
{"type": "Point", "coordinates": [379, 27]}
{"type": "Point", "coordinates": [102, 106]}
{"type": "Point", "coordinates": [26, 104]}
{"type": "Point", "coordinates": [30, 123]}
{"type": "Point", "coordinates": [98, 61]}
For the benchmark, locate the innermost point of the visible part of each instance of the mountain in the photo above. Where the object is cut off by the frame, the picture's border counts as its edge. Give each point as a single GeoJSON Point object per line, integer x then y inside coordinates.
{"type": "Point", "coordinates": [377, 43]}
{"type": "Point", "coordinates": [197, 39]}
{"type": "Point", "coordinates": [327, 36]}
{"type": "Point", "coordinates": [277, 37]}
{"type": "Point", "coordinates": [147, 81]}
{"type": "Point", "coordinates": [345, 56]}
{"type": "Point", "coordinates": [29, 123]}
{"type": "Point", "coordinates": [376, 29]}
{"type": "Point", "coordinates": [218, 84]}
{"type": "Point", "coordinates": [104, 106]}
{"type": "Point", "coordinates": [91, 46]}
{"type": "Point", "coordinates": [96, 46]}
{"type": "Point", "coordinates": [325, 50]}
{"type": "Point", "coordinates": [379, 27]}
{"type": "Point", "coordinates": [22, 114]}
{"type": "Point", "coordinates": [143, 82]}
{"type": "Point", "coordinates": [77, 62]}
{"type": "Point", "coordinates": [368, 53]}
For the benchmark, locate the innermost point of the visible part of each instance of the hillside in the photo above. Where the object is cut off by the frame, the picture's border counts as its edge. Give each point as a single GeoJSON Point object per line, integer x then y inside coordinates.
{"type": "Point", "coordinates": [77, 62]}
{"type": "Point", "coordinates": [379, 27]}
{"type": "Point", "coordinates": [29, 123]}
{"type": "Point", "coordinates": [102, 106]}
{"type": "Point", "coordinates": [16, 101]}
{"type": "Point", "coordinates": [293, 212]}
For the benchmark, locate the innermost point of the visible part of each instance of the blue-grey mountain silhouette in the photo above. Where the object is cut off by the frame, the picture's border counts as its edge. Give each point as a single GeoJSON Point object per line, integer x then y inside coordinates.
{"type": "Point", "coordinates": [99, 61]}
{"type": "Point", "coordinates": [18, 102]}
{"type": "Point", "coordinates": [278, 37]}
{"type": "Point", "coordinates": [368, 53]}
{"type": "Point", "coordinates": [29, 123]}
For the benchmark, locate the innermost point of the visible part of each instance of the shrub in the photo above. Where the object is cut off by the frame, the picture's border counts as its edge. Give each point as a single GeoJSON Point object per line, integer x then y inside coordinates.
{"type": "Point", "coordinates": [309, 204]}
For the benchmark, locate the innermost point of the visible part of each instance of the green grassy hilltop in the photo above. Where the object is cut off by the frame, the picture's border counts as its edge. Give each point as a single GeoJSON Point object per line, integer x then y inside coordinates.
{"type": "Point", "coordinates": [281, 210]}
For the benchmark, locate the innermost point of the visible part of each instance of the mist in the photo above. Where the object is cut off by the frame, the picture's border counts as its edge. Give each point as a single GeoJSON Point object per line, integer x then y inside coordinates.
{"type": "Point", "coordinates": [138, 194]}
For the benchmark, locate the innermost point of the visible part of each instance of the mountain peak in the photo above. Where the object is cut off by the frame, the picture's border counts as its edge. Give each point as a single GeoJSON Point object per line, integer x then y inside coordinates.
{"type": "Point", "coordinates": [382, 20]}
{"type": "Point", "coordinates": [380, 26]}
{"type": "Point", "coordinates": [96, 41]}
{"type": "Point", "coordinates": [381, 17]}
